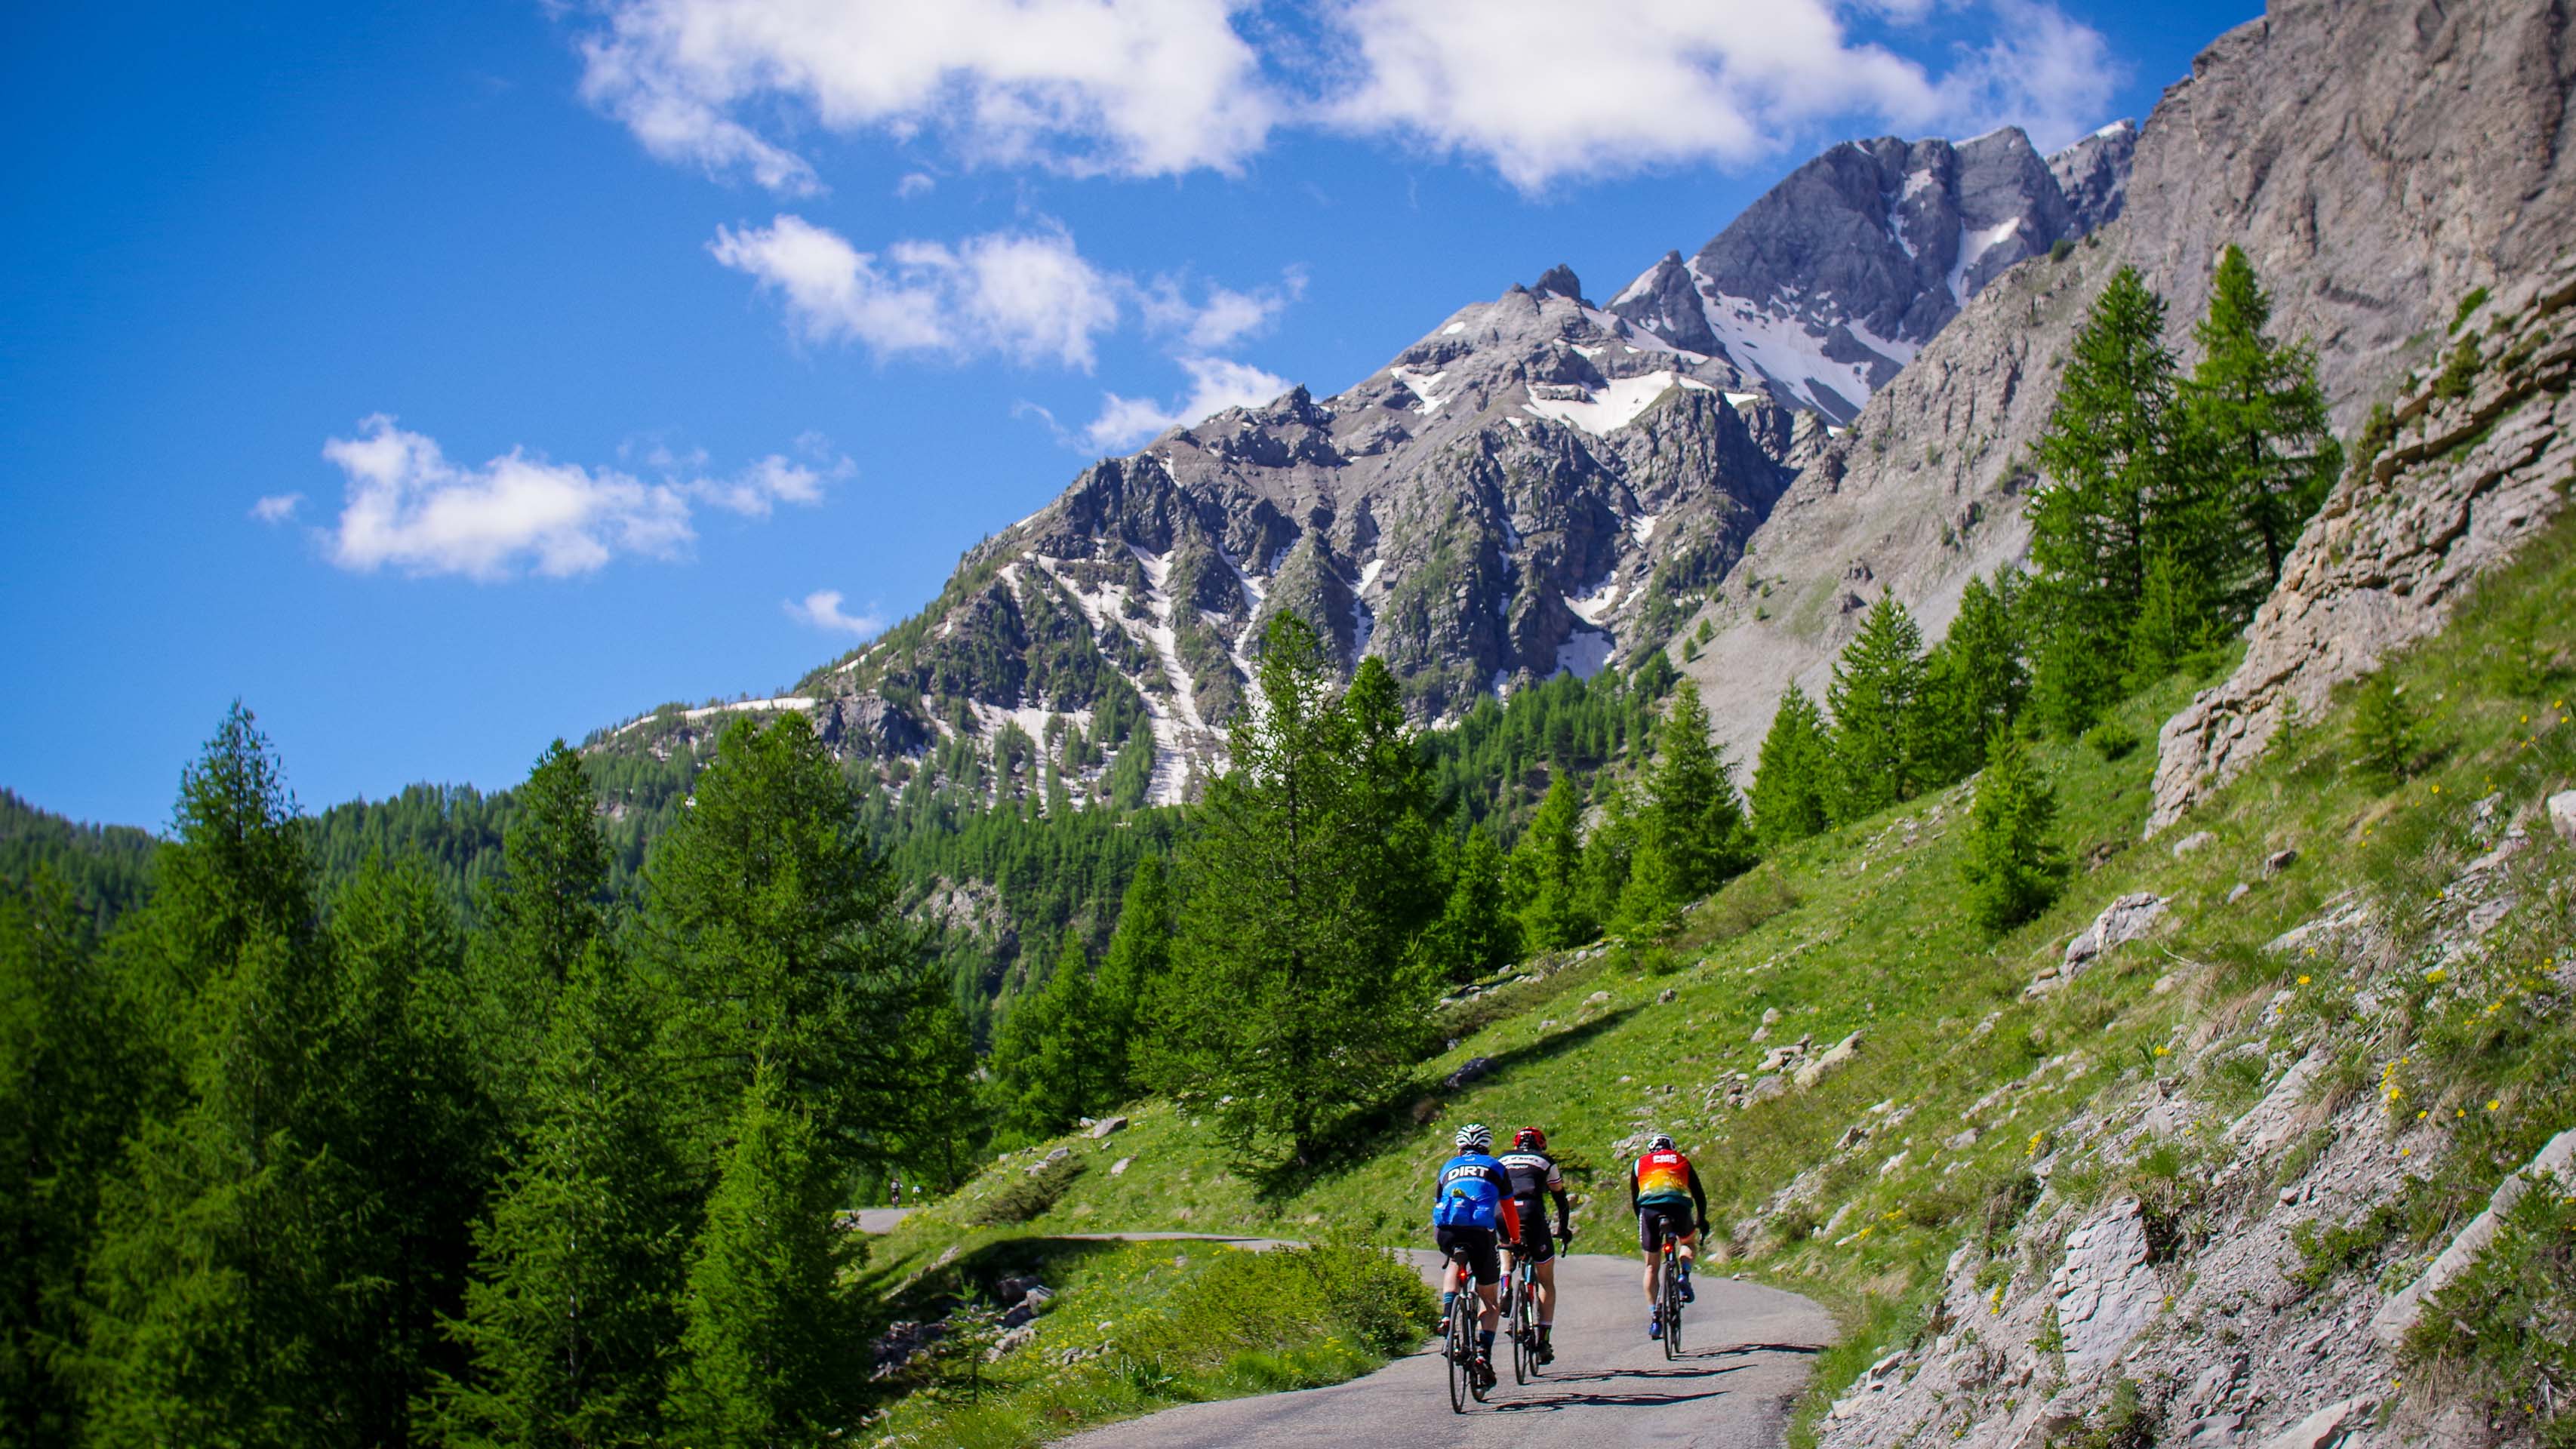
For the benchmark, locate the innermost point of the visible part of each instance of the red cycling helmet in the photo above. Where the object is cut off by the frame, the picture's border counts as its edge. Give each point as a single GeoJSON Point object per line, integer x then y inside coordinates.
{"type": "Point", "coordinates": [1531, 1138]}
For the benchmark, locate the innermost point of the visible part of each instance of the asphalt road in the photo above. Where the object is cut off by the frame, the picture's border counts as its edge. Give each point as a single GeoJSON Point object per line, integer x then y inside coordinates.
{"type": "Point", "coordinates": [1746, 1354]}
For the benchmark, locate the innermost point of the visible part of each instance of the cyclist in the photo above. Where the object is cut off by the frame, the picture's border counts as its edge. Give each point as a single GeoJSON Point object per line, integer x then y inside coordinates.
{"type": "Point", "coordinates": [1664, 1193]}
{"type": "Point", "coordinates": [1534, 1175]}
{"type": "Point", "coordinates": [1466, 1213]}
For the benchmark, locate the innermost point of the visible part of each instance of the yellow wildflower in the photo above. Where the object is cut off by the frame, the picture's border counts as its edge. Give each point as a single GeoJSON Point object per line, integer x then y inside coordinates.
{"type": "Point", "coordinates": [2303, 981]}
{"type": "Point", "coordinates": [2494, 1102]}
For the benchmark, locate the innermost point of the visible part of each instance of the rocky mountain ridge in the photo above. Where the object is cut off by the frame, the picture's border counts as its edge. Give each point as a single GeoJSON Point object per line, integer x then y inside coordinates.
{"type": "Point", "coordinates": [1536, 485]}
{"type": "Point", "coordinates": [1829, 283]}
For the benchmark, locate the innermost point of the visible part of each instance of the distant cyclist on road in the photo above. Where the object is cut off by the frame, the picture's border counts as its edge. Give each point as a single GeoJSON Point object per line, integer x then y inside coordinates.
{"type": "Point", "coordinates": [1534, 1176]}
{"type": "Point", "coordinates": [1664, 1193]}
{"type": "Point", "coordinates": [1466, 1214]}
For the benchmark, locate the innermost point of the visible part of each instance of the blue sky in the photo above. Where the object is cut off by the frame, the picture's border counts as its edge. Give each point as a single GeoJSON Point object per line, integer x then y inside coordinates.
{"type": "Point", "coordinates": [442, 378]}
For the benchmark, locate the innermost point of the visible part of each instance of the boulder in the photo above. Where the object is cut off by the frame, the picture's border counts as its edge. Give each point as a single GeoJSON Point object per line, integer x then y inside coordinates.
{"type": "Point", "coordinates": [2125, 919]}
{"type": "Point", "coordinates": [2323, 1428]}
{"type": "Point", "coordinates": [1107, 1125]}
{"type": "Point", "coordinates": [2280, 860]}
{"type": "Point", "coordinates": [1832, 1061]}
{"type": "Point", "coordinates": [1119, 1168]}
{"type": "Point", "coordinates": [2192, 842]}
{"type": "Point", "coordinates": [2562, 814]}
{"type": "Point", "coordinates": [1764, 1089]}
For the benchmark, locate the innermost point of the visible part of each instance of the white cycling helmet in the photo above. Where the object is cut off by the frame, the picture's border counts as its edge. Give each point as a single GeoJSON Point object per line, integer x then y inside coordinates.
{"type": "Point", "coordinates": [1660, 1142]}
{"type": "Point", "coordinates": [1475, 1137]}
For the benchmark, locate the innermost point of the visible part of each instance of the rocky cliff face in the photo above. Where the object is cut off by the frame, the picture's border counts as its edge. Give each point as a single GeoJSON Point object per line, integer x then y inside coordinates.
{"type": "Point", "coordinates": [1827, 285]}
{"type": "Point", "coordinates": [2345, 147]}
{"type": "Point", "coordinates": [2477, 461]}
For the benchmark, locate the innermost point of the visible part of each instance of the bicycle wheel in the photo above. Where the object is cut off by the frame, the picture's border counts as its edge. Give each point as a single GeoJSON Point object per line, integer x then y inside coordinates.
{"type": "Point", "coordinates": [1524, 1336]}
{"type": "Point", "coordinates": [1460, 1351]}
{"type": "Point", "coordinates": [1668, 1292]}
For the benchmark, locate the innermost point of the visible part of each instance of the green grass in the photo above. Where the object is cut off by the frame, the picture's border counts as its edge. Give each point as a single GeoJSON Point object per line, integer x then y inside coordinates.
{"type": "Point", "coordinates": [1860, 929]}
{"type": "Point", "coordinates": [1134, 1327]}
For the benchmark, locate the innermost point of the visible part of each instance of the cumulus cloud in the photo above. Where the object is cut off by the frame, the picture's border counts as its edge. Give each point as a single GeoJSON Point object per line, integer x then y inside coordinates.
{"type": "Point", "coordinates": [822, 609]}
{"type": "Point", "coordinates": [1221, 317]}
{"type": "Point", "coordinates": [916, 183]}
{"type": "Point", "coordinates": [408, 506]}
{"type": "Point", "coordinates": [1152, 87]}
{"type": "Point", "coordinates": [1026, 295]}
{"type": "Point", "coordinates": [276, 508]}
{"type": "Point", "coordinates": [1216, 383]}
{"type": "Point", "coordinates": [1124, 87]}
{"type": "Point", "coordinates": [2048, 74]}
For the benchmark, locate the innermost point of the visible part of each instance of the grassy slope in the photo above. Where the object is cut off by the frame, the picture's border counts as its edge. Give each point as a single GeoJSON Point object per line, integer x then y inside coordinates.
{"type": "Point", "coordinates": [1875, 942]}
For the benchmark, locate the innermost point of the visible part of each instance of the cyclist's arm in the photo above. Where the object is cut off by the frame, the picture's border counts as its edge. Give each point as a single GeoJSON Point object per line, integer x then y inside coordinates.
{"type": "Point", "coordinates": [1632, 1192]}
{"type": "Point", "coordinates": [1564, 1210]}
{"type": "Point", "coordinates": [1699, 1200]}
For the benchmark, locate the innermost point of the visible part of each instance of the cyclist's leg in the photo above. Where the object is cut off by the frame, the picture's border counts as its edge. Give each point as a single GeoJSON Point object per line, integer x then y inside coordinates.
{"type": "Point", "coordinates": [1650, 1242]}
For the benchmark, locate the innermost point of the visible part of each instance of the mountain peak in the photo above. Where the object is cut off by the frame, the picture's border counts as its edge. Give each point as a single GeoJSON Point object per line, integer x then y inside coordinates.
{"type": "Point", "coordinates": [1827, 284]}
{"type": "Point", "coordinates": [1561, 280]}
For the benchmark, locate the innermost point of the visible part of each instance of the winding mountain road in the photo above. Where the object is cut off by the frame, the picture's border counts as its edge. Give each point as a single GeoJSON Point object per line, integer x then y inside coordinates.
{"type": "Point", "coordinates": [1746, 1350]}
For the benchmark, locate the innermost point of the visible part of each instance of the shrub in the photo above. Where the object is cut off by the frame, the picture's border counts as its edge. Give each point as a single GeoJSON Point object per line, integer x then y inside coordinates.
{"type": "Point", "coordinates": [2111, 740]}
{"type": "Point", "coordinates": [2460, 373]}
{"type": "Point", "coordinates": [2469, 304]}
{"type": "Point", "coordinates": [1030, 1196]}
{"type": "Point", "coordinates": [2386, 737]}
{"type": "Point", "coordinates": [2061, 249]}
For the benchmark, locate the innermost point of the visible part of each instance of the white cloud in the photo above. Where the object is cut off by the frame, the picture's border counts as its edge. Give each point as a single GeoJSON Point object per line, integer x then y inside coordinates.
{"type": "Point", "coordinates": [822, 609]}
{"type": "Point", "coordinates": [408, 507]}
{"type": "Point", "coordinates": [1028, 295]}
{"type": "Point", "coordinates": [1216, 383]}
{"type": "Point", "coordinates": [1222, 318]}
{"type": "Point", "coordinates": [1125, 87]}
{"type": "Point", "coordinates": [277, 508]}
{"type": "Point", "coordinates": [917, 183]}
{"type": "Point", "coordinates": [2048, 74]}
{"type": "Point", "coordinates": [1624, 85]}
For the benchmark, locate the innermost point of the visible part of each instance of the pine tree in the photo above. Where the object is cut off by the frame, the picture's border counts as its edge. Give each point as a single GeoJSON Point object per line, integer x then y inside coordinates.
{"type": "Point", "coordinates": [1289, 1003]}
{"type": "Point", "coordinates": [1793, 788]}
{"type": "Point", "coordinates": [1139, 956]}
{"type": "Point", "coordinates": [1476, 932]}
{"type": "Point", "coordinates": [1051, 1057]}
{"type": "Point", "coordinates": [1691, 834]}
{"type": "Point", "coordinates": [1976, 680]}
{"type": "Point", "coordinates": [572, 1307]}
{"type": "Point", "coordinates": [2175, 621]}
{"type": "Point", "coordinates": [2011, 869]}
{"type": "Point", "coordinates": [1609, 857]}
{"type": "Point", "coordinates": [1545, 879]}
{"type": "Point", "coordinates": [767, 1325]}
{"type": "Point", "coordinates": [68, 1053]}
{"type": "Point", "coordinates": [783, 942]}
{"type": "Point", "coordinates": [409, 1123]}
{"type": "Point", "coordinates": [539, 916]}
{"type": "Point", "coordinates": [2115, 495]}
{"type": "Point", "coordinates": [217, 1273]}
{"type": "Point", "coordinates": [2256, 421]}
{"type": "Point", "coordinates": [1876, 699]}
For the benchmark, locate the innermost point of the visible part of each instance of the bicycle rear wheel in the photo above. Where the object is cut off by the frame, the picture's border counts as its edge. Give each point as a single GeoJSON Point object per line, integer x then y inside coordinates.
{"type": "Point", "coordinates": [1524, 1337]}
{"type": "Point", "coordinates": [1669, 1298]}
{"type": "Point", "coordinates": [1456, 1346]}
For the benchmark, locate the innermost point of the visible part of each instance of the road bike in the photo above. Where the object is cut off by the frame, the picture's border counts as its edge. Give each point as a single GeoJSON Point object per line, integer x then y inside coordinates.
{"type": "Point", "coordinates": [1520, 1310]}
{"type": "Point", "coordinates": [1668, 1298]}
{"type": "Point", "coordinates": [1459, 1341]}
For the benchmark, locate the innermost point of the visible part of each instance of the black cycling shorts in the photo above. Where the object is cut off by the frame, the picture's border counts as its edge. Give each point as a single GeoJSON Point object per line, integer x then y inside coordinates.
{"type": "Point", "coordinates": [1534, 1244]}
{"type": "Point", "coordinates": [1477, 1248]}
{"type": "Point", "coordinates": [1654, 1223]}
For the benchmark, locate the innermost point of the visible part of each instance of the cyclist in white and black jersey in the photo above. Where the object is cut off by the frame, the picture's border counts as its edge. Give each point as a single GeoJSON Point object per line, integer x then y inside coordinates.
{"type": "Point", "coordinates": [1534, 1177]}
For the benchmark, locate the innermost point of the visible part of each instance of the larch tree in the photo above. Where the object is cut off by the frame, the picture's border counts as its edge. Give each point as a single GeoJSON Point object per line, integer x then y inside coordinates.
{"type": "Point", "coordinates": [1793, 784]}
{"type": "Point", "coordinates": [1877, 698]}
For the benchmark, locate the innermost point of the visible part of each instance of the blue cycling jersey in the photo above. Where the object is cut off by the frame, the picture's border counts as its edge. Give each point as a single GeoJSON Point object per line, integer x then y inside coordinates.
{"type": "Point", "coordinates": [1471, 1191]}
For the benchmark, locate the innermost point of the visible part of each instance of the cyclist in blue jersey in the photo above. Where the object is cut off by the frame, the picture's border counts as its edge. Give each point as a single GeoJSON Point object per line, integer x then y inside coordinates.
{"type": "Point", "coordinates": [1466, 1219]}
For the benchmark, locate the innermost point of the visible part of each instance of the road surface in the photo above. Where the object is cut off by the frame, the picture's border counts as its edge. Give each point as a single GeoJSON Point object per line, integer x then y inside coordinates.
{"type": "Point", "coordinates": [1746, 1353]}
